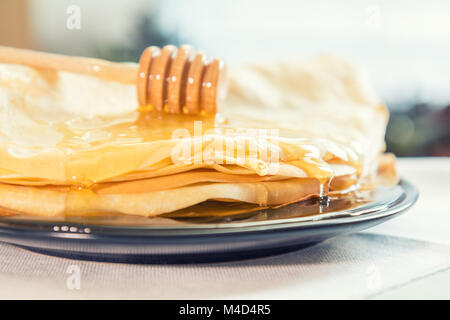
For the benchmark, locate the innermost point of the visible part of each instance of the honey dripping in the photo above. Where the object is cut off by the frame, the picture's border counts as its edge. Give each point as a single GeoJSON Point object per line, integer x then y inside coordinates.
{"type": "Point", "coordinates": [324, 199]}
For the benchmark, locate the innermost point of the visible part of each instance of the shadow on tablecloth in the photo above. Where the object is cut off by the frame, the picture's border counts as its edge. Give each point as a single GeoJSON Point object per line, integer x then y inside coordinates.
{"type": "Point", "coordinates": [352, 266]}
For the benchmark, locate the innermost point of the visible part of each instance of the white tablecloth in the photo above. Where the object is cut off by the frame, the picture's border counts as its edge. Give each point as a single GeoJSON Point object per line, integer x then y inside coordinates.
{"type": "Point", "coordinates": [406, 257]}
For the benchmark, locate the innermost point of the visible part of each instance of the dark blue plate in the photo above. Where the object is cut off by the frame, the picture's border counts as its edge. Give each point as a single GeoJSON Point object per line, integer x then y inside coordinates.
{"type": "Point", "coordinates": [205, 239]}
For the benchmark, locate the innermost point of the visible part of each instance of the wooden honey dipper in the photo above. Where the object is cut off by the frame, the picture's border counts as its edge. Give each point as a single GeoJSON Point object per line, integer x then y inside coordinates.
{"type": "Point", "coordinates": [170, 79]}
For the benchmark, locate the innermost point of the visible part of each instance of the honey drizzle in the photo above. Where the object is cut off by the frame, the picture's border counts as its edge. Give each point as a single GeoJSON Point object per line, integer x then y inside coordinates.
{"type": "Point", "coordinates": [126, 145]}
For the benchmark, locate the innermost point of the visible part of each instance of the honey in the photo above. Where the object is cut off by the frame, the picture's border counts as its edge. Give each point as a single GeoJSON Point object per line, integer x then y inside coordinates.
{"type": "Point", "coordinates": [94, 152]}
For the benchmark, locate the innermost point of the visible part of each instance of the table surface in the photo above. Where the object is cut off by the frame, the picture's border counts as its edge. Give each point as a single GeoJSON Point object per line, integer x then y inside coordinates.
{"type": "Point", "coordinates": [406, 257]}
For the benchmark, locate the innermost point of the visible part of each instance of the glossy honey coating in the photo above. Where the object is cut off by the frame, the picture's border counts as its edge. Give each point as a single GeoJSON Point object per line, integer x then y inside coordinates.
{"type": "Point", "coordinates": [83, 153]}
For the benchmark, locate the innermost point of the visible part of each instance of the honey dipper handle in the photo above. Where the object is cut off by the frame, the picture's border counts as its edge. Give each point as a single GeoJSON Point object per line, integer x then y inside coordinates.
{"type": "Point", "coordinates": [125, 73]}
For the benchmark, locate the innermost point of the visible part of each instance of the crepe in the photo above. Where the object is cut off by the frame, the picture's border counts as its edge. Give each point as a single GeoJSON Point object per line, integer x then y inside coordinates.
{"type": "Point", "coordinates": [289, 130]}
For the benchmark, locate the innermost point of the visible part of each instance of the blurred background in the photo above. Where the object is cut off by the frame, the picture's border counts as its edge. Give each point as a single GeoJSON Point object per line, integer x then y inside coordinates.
{"type": "Point", "coordinates": [404, 45]}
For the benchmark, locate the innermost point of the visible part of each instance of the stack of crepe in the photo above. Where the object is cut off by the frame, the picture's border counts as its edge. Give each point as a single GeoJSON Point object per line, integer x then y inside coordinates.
{"type": "Point", "coordinates": [73, 144]}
